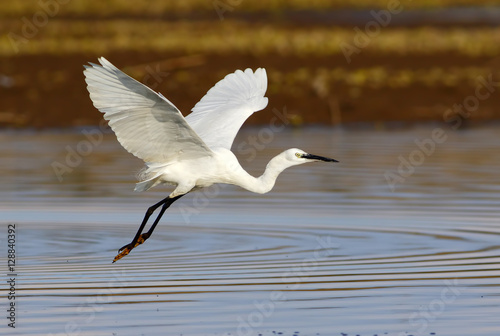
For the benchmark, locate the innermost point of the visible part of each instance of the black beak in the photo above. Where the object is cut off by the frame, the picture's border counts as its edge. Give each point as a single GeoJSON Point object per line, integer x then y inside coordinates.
{"type": "Point", "coordinates": [317, 158]}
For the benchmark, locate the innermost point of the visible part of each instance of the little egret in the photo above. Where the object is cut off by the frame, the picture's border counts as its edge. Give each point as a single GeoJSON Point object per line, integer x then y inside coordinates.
{"type": "Point", "coordinates": [191, 152]}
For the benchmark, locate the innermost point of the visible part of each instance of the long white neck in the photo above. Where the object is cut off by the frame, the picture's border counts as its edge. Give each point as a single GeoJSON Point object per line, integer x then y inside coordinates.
{"type": "Point", "coordinates": [265, 182]}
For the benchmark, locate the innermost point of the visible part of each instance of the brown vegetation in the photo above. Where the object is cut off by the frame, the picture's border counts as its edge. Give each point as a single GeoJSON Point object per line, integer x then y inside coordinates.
{"type": "Point", "coordinates": [400, 74]}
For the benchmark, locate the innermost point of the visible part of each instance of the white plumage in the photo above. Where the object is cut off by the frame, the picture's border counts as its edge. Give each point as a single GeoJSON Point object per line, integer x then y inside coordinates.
{"type": "Point", "coordinates": [147, 124]}
{"type": "Point", "coordinates": [191, 152]}
{"type": "Point", "coordinates": [218, 116]}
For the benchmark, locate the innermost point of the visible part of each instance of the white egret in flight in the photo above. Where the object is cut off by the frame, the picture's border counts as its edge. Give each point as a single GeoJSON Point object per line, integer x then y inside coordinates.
{"type": "Point", "coordinates": [188, 152]}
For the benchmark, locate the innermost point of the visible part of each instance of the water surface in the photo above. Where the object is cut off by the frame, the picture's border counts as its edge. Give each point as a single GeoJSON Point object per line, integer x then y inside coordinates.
{"type": "Point", "coordinates": [332, 250]}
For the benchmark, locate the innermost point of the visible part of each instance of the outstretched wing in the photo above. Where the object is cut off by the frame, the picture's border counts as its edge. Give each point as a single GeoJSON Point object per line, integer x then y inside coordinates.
{"type": "Point", "coordinates": [145, 123]}
{"type": "Point", "coordinates": [219, 115]}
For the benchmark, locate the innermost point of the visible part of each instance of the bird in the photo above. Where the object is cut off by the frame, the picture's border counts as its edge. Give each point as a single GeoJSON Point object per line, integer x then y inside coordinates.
{"type": "Point", "coordinates": [191, 152]}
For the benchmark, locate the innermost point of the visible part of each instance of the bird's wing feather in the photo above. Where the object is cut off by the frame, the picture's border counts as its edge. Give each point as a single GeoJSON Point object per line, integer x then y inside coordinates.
{"type": "Point", "coordinates": [218, 116]}
{"type": "Point", "coordinates": [145, 123]}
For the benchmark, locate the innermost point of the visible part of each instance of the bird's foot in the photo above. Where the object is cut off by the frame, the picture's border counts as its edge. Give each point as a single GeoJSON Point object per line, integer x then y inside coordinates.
{"type": "Point", "coordinates": [125, 250]}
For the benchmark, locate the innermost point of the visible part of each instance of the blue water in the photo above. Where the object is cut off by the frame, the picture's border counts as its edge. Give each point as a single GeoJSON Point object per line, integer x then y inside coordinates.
{"type": "Point", "coordinates": [332, 249]}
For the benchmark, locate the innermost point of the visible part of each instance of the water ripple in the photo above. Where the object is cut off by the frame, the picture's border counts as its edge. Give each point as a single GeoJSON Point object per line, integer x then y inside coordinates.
{"type": "Point", "coordinates": [329, 252]}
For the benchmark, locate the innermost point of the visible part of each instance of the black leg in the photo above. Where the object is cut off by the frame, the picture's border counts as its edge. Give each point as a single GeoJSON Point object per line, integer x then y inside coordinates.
{"type": "Point", "coordinates": [165, 206]}
{"type": "Point", "coordinates": [140, 238]}
{"type": "Point", "coordinates": [148, 214]}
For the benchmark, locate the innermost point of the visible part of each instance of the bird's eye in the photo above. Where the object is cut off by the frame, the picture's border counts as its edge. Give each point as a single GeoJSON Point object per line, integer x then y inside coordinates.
{"type": "Point", "coordinates": [298, 155]}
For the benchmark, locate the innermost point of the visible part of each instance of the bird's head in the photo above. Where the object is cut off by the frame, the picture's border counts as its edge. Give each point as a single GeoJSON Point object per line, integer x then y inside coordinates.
{"type": "Point", "coordinates": [298, 156]}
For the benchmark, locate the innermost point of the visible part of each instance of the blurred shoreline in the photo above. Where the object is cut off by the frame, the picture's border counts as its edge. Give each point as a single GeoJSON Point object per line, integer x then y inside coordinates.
{"type": "Point", "coordinates": [324, 66]}
{"type": "Point", "coordinates": [60, 98]}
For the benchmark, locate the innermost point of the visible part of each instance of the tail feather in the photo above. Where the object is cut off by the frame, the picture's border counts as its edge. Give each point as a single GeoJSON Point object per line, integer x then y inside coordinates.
{"type": "Point", "coordinates": [148, 184]}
